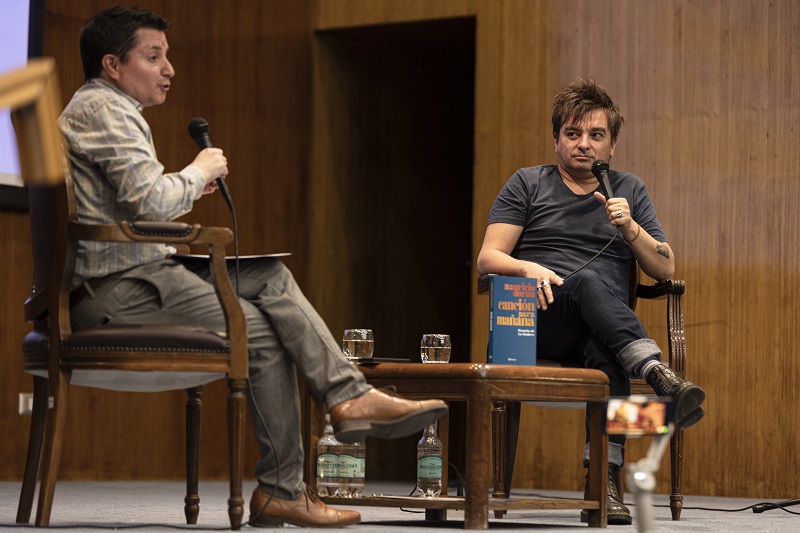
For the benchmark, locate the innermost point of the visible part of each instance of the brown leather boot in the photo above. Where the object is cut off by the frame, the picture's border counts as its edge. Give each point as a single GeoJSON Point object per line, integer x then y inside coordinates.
{"type": "Point", "coordinates": [618, 513]}
{"type": "Point", "coordinates": [376, 414]}
{"type": "Point", "coordinates": [305, 511]}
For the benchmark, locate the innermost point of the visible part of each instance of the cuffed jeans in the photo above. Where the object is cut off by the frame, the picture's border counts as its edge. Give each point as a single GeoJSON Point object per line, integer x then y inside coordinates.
{"type": "Point", "coordinates": [588, 325]}
{"type": "Point", "coordinates": [285, 334]}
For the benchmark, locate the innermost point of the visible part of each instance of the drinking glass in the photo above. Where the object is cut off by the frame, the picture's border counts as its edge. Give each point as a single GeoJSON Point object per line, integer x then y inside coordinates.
{"type": "Point", "coordinates": [435, 348]}
{"type": "Point", "coordinates": [358, 344]}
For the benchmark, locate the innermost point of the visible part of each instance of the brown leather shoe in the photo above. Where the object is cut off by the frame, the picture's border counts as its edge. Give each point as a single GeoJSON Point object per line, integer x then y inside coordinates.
{"type": "Point", "coordinates": [305, 511]}
{"type": "Point", "coordinates": [376, 414]}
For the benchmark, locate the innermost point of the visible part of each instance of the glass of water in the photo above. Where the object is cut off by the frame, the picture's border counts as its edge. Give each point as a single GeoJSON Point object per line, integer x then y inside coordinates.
{"type": "Point", "coordinates": [435, 348]}
{"type": "Point", "coordinates": [358, 344]}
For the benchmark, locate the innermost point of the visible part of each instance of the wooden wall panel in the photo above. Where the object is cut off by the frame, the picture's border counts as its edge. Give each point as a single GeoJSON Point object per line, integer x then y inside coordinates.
{"type": "Point", "coordinates": [334, 14]}
{"type": "Point", "coordinates": [16, 278]}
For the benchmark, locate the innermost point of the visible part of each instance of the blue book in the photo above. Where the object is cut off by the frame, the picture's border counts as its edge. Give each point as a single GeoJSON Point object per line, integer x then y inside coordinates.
{"type": "Point", "coordinates": [512, 320]}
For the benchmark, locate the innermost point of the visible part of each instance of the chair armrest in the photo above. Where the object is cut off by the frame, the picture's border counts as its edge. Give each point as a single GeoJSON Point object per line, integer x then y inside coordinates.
{"type": "Point", "coordinates": [177, 233]}
{"type": "Point", "coordinates": [660, 289]}
{"type": "Point", "coordinates": [157, 232]}
{"type": "Point", "coordinates": [483, 283]}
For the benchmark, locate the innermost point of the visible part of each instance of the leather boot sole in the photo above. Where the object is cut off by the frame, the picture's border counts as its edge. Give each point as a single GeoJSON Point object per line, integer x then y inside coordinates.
{"type": "Point", "coordinates": [615, 518]}
{"type": "Point", "coordinates": [686, 405]}
{"type": "Point", "coordinates": [274, 521]}
{"type": "Point", "coordinates": [267, 521]}
{"type": "Point", "coordinates": [692, 418]}
{"type": "Point", "coordinates": [358, 430]}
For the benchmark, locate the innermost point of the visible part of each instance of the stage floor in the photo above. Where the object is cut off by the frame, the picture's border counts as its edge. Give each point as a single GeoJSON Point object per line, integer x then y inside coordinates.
{"type": "Point", "coordinates": [158, 506]}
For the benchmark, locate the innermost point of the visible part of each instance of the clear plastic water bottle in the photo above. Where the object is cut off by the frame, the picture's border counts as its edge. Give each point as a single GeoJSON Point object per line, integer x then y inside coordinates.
{"type": "Point", "coordinates": [429, 463]}
{"type": "Point", "coordinates": [352, 470]}
{"type": "Point", "coordinates": [328, 451]}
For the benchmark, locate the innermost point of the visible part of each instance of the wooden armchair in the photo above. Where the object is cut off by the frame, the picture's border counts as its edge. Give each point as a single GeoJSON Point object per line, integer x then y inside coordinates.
{"type": "Point", "coordinates": [129, 358]}
{"type": "Point", "coordinates": [507, 415]}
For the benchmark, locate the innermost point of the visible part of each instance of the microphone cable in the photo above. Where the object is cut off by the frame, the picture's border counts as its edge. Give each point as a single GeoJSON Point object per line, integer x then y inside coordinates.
{"type": "Point", "coordinates": [235, 248]}
{"type": "Point", "coordinates": [200, 133]}
{"type": "Point", "coordinates": [603, 249]}
{"type": "Point", "coordinates": [259, 415]}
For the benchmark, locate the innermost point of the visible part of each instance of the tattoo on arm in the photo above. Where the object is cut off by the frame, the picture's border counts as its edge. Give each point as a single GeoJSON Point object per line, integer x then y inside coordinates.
{"type": "Point", "coordinates": [662, 249]}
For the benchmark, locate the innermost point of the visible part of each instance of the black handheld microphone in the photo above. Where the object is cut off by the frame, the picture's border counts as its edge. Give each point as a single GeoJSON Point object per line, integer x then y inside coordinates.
{"type": "Point", "coordinates": [600, 171]}
{"type": "Point", "coordinates": [198, 130]}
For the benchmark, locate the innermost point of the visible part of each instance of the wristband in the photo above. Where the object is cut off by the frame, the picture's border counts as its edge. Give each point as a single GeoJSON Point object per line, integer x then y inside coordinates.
{"type": "Point", "coordinates": [638, 231]}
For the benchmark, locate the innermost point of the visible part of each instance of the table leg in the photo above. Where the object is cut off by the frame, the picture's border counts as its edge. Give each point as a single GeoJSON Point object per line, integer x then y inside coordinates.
{"type": "Point", "coordinates": [479, 455]}
{"type": "Point", "coordinates": [598, 463]}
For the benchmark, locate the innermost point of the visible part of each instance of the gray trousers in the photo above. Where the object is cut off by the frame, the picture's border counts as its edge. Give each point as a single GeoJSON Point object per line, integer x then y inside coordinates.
{"type": "Point", "coordinates": [285, 334]}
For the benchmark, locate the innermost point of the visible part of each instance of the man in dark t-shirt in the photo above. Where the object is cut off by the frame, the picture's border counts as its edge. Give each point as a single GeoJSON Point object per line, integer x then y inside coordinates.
{"type": "Point", "coordinates": [549, 222]}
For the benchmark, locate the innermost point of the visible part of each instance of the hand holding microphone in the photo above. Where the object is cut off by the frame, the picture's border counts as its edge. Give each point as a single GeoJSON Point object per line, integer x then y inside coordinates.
{"type": "Point", "coordinates": [211, 161]}
{"type": "Point", "coordinates": [619, 212]}
{"type": "Point", "coordinates": [600, 171]}
{"type": "Point", "coordinates": [615, 212]}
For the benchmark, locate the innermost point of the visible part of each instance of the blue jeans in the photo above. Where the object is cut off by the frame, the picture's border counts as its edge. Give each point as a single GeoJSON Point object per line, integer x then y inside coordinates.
{"type": "Point", "coordinates": [588, 325]}
{"type": "Point", "coordinates": [285, 335]}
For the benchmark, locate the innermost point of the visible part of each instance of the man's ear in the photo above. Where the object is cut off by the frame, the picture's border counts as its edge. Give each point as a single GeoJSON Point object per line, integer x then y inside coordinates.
{"type": "Point", "coordinates": [110, 64]}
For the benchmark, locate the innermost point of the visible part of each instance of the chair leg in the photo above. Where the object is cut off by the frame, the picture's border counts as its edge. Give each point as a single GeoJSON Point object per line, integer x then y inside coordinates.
{"type": "Point", "coordinates": [236, 407]}
{"type": "Point", "coordinates": [499, 420]}
{"type": "Point", "coordinates": [505, 430]}
{"type": "Point", "coordinates": [598, 465]}
{"type": "Point", "coordinates": [676, 466]}
{"type": "Point", "coordinates": [512, 433]}
{"type": "Point", "coordinates": [194, 401]}
{"type": "Point", "coordinates": [38, 423]}
{"type": "Point", "coordinates": [53, 444]}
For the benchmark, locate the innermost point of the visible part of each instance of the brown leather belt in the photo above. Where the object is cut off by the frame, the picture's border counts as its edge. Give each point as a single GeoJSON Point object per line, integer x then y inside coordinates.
{"type": "Point", "coordinates": [93, 284]}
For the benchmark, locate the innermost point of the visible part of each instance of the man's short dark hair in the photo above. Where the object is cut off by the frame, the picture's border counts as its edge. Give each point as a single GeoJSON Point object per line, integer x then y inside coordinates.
{"type": "Point", "coordinates": [113, 31]}
{"type": "Point", "coordinates": [580, 98]}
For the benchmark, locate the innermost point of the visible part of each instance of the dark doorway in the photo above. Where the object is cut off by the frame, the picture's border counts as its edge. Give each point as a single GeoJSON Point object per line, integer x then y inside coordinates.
{"type": "Point", "coordinates": [399, 106]}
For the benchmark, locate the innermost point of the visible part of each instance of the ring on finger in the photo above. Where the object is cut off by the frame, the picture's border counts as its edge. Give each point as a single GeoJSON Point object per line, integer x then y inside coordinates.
{"type": "Point", "coordinates": [618, 214]}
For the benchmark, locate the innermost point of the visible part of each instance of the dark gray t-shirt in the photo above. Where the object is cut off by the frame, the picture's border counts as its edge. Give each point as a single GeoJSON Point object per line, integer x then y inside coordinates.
{"type": "Point", "coordinates": [563, 230]}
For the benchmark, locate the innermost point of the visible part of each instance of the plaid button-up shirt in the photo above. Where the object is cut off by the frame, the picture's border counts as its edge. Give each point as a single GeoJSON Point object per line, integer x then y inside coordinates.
{"type": "Point", "coordinates": [118, 177]}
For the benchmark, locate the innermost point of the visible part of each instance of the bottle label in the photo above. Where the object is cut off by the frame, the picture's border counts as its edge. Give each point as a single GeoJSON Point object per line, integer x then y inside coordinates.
{"type": "Point", "coordinates": [429, 467]}
{"type": "Point", "coordinates": [351, 467]}
{"type": "Point", "coordinates": [327, 465]}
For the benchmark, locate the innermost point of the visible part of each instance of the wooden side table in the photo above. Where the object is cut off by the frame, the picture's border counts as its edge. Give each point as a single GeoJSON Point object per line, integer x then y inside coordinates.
{"type": "Point", "coordinates": [479, 385]}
